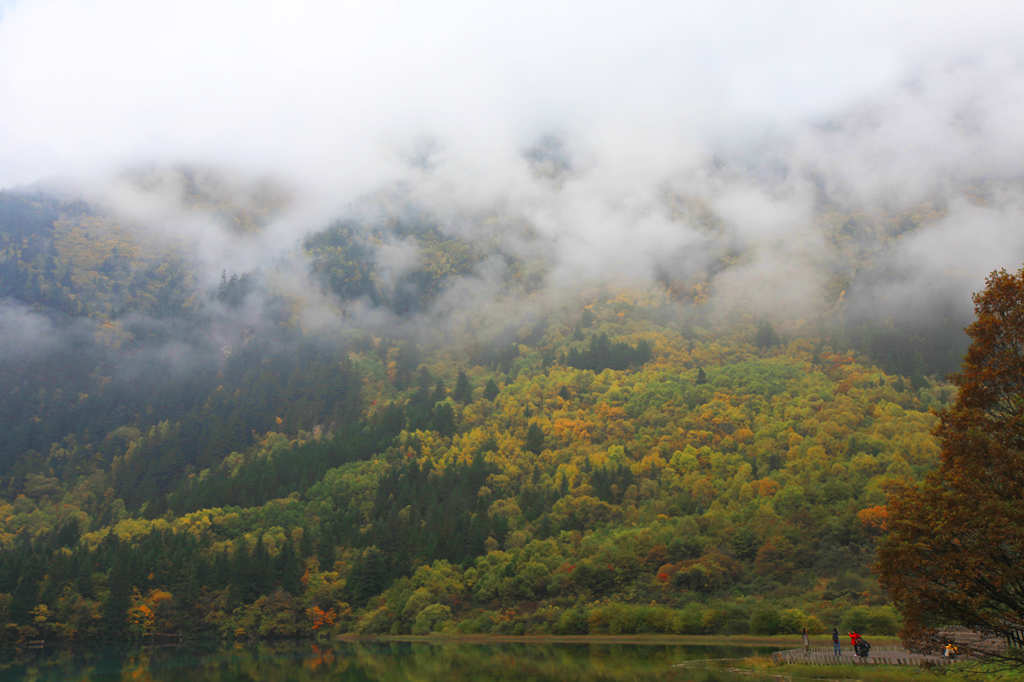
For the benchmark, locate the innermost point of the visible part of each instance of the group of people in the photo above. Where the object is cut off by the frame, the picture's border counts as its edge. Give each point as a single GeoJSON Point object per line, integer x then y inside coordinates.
{"type": "Point", "coordinates": [859, 644]}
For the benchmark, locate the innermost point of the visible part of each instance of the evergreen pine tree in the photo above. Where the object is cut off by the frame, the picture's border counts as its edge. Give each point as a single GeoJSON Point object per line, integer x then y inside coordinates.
{"type": "Point", "coordinates": [491, 390]}
{"type": "Point", "coordinates": [534, 439]}
{"type": "Point", "coordinates": [463, 392]}
{"type": "Point", "coordinates": [443, 419]}
{"type": "Point", "coordinates": [289, 569]}
{"type": "Point", "coordinates": [766, 336]}
{"type": "Point", "coordinates": [115, 608]}
{"type": "Point", "coordinates": [440, 392]}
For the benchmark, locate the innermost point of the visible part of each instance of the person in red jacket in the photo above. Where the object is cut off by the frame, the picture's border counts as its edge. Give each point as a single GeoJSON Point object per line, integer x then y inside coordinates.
{"type": "Point", "coordinates": [859, 644]}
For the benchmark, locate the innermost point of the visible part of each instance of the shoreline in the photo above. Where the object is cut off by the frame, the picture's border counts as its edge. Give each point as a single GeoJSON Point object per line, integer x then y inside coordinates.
{"type": "Point", "coordinates": [653, 639]}
{"type": "Point", "coordinates": [782, 641]}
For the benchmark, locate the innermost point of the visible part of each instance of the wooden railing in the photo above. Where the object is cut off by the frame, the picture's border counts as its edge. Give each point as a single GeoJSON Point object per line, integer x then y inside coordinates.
{"type": "Point", "coordinates": [827, 656]}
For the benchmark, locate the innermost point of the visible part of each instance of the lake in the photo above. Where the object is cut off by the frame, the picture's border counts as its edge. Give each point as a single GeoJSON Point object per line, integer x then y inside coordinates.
{"type": "Point", "coordinates": [381, 661]}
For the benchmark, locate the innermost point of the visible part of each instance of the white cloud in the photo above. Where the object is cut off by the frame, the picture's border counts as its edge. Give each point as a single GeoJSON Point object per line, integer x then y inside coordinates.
{"type": "Point", "coordinates": [744, 106]}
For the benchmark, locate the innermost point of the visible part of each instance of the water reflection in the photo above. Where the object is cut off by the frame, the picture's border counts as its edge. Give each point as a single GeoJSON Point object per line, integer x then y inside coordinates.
{"type": "Point", "coordinates": [380, 662]}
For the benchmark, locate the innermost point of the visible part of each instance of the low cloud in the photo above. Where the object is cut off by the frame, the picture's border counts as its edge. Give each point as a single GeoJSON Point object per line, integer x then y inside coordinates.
{"type": "Point", "coordinates": [25, 334]}
{"type": "Point", "coordinates": [603, 141]}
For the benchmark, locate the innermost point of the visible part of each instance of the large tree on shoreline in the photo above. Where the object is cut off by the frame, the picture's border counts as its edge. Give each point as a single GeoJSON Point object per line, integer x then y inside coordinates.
{"type": "Point", "coordinates": [954, 552]}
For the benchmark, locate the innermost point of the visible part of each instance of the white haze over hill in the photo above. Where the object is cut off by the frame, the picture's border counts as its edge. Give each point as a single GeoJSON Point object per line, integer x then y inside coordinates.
{"type": "Point", "coordinates": [611, 129]}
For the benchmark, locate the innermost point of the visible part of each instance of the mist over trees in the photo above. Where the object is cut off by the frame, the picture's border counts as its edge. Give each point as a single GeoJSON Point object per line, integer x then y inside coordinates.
{"type": "Point", "coordinates": [305, 445]}
{"type": "Point", "coordinates": [451, 318]}
{"type": "Point", "coordinates": [552, 476]}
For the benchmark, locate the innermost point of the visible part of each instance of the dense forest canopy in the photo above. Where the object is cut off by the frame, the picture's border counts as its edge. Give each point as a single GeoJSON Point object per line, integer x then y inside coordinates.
{"type": "Point", "coordinates": [190, 457]}
{"type": "Point", "coordinates": [404, 318]}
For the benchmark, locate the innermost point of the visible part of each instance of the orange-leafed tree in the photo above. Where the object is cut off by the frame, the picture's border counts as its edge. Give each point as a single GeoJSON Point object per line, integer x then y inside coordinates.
{"type": "Point", "coordinates": [953, 556]}
{"type": "Point", "coordinates": [319, 617]}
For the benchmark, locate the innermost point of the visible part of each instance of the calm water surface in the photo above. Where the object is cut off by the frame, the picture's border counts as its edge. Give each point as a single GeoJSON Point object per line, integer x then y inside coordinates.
{"type": "Point", "coordinates": [381, 661]}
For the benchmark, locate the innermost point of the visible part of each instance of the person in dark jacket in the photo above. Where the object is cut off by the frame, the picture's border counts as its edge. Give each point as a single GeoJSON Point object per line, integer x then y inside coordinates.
{"type": "Point", "coordinates": [835, 641]}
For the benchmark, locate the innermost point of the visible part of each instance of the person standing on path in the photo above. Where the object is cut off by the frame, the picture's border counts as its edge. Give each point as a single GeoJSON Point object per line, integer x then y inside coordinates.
{"type": "Point", "coordinates": [807, 642]}
{"type": "Point", "coordinates": [835, 642]}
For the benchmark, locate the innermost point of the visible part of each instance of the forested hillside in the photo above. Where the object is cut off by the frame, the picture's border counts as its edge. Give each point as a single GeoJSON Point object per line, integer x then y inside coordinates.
{"type": "Point", "coordinates": [189, 458]}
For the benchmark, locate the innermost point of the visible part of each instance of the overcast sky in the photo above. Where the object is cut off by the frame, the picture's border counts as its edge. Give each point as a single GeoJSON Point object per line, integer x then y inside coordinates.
{"type": "Point", "coordinates": [327, 88]}
{"type": "Point", "coordinates": [882, 102]}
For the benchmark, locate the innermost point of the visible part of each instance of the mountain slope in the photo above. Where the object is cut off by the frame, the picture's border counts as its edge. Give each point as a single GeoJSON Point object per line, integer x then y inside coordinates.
{"type": "Point", "coordinates": [616, 461]}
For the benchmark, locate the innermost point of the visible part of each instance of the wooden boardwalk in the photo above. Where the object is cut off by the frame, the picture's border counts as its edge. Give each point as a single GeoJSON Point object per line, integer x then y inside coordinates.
{"type": "Point", "coordinates": [826, 656]}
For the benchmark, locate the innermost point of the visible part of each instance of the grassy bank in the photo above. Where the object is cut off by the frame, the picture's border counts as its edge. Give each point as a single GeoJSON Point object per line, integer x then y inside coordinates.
{"type": "Point", "coordinates": [963, 671]}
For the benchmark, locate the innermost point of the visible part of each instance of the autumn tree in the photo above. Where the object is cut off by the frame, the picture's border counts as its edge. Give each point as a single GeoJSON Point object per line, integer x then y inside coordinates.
{"type": "Point", "coordinates": [954, 553]}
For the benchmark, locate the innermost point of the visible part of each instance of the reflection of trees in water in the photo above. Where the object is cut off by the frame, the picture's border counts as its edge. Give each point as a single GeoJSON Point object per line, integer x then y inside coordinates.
{"type": "Point", "coordinates": [369, 662]}
{"type": "Point", "coordinates": [455, 661]}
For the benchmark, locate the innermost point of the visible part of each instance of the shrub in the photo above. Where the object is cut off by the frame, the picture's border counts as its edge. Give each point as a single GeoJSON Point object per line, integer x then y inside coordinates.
{"type": "Point", "coordinates": [688, 621]}
{"type": "Point", "coordinates": [623, 619]}
{"type": "Point", "coordinates": [765, 621]}
{"type": "Point", "coordinates": [729, 620]}
{"type": "Point", "coordinates": [881, 620]}
{"type": "Point", "coordinates": [657, 618]}
{"type": "Point", "coordinates": [735, 621]}
{"type": "Point", "coordinates": [482, 623]}
{"type": "Point", "coordinates": [432, 618]}
{"type": "Point", "coordinates": [374, 621]}
{"type": "Point", "coordinates": [573, 621]}
{"type": "Point", "coordinates": [792, 621]}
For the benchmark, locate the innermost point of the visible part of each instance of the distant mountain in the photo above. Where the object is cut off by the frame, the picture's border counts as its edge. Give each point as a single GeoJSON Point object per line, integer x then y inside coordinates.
{"type": "Point", "coordinates": [421, 428]}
